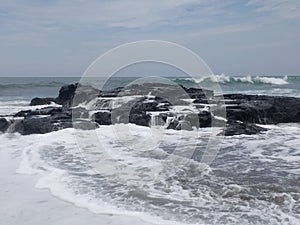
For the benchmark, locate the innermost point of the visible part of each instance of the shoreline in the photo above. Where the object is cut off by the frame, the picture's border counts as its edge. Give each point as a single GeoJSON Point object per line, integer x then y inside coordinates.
{"type": "Point", "coordinates": [25, 204]}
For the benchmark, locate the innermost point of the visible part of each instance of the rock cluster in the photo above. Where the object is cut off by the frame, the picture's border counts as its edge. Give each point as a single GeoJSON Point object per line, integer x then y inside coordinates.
{"type": "Point", "coordinates": [165, 105]}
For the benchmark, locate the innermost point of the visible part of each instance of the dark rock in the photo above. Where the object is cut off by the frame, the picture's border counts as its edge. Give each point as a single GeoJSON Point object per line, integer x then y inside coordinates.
{"type": "Point", "coordinates": [263, 109]}
{"type": "Point", "coordinates": [82, 93]}
{"type": "Point", "coordinates": [103, 118]}
{"type": "Point", "coordinates": [35, 125]}
{"type": "Point", "coordinates": [4, 124]}
{"type": "Point", "coordinates": [238, 127]}
{"type": "Point", "coordinates": [66, 115]}
{"type": "Point", "coordinates": [243, 111]}
{"type": "Point", "coordinates": [202, 119]}
{"type": "Point", "coordinates": [42, 125]}
{"type": "Point", "coordinates": [111, 93]}
{"type": "Point", "coordinates": [42, 111]}
{"type": "Point", "coordinates": [42, 101]}
{"type": "Point", "coordinates": [47, 111]}
{"type": "Point", "coordinates": [66, 95]}
{"type": "Point", "coordinates": [22, 113]}
{"type": "Point", "coordinates": [142, 119]}
{"type": "Point", "coordinates": [173, 124]}
{"type": "Point", "coordinates": [199, 93]}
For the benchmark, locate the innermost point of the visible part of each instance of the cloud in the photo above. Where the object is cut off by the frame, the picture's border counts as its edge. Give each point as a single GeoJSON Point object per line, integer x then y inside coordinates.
{"type": "Point", "coordinates": [56, 15]}
{"type": "Point", "coordinates": [108, 13]}
{"type": "Point", "coordinates": [63, 28]}
{"type": "Point", "coordinates": [280, 9]}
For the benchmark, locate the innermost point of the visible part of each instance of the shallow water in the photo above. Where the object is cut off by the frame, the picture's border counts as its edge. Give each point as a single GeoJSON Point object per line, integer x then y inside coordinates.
{"type": "Point", "coordinates": [253, 179]}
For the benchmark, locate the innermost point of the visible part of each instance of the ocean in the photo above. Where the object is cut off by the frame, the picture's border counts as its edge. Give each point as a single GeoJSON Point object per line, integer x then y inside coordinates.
{"type": "Point", "coordinates": [254, 179]}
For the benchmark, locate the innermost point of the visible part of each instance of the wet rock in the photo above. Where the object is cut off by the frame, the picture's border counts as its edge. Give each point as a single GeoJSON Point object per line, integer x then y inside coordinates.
{"type": "Point", "coordinates": [42, 111]}
{"type": "Point", "coordinates": [35, 125]}
{"type": "Point", "coordinates": [82, 93]}
{"type": "Point", "coordinates": [22, 113]}
{"type": "Point", "coordinates": [239, 127]}
{"type": "Point", "coordinates": [202, 119]}
{"type": "Point", "coordinates": [176, 124]}
{"type": "Point", "coordinates": [243, 111]}
{"type": "Point", "coordinates": [66, 95]}
{"type": "Point", "coordinates": [42, 101]}
{"type": "Point", "coordinates": [4, 124]}
{"type": "Point", "coordinates": [142, 119]}
{"type": "Point", "coordinates": [198, 93]}
{"type": "Point", "coordinates": [41, 125]}
{"type": "Point", "coordinates": [103, 118]}
{"type": "Point", "coordinates": [173, 124]}
{"type": "Point", "coordinates": [263, 109]}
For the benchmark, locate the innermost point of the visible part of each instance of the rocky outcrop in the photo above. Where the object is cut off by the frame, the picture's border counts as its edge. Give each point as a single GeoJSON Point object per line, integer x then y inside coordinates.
{"type": "Point", "coordinates": [42, 125]}
{"type": "Point", "coordinates": [66, 95]}
{"type": "Point", "coordinates": [262, 109]}
{"type": "Point", "coordinates": [85, 107]}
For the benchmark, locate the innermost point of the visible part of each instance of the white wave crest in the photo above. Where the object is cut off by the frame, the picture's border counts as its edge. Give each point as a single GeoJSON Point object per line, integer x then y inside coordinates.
{"type": "Point", "coordinates": [224, 79]}
{"type": "Point", "coordinates": [272, 80]}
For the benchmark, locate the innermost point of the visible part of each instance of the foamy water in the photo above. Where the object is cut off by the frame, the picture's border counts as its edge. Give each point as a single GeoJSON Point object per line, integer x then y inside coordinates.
{"type": "Point", "coordinates": [251, 181]}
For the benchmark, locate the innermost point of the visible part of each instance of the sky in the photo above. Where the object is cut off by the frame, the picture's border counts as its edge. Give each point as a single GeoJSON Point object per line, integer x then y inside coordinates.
{"type": "Point", "coordinates": [234, 37]}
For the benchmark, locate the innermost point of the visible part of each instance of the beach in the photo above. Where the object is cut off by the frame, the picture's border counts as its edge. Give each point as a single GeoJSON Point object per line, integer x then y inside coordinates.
{"type": "Point", "coordinates": [22, 203]}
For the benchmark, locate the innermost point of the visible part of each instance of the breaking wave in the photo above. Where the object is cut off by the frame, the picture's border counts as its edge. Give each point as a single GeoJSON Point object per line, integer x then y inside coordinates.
{"type": "Point", "coordinates": [224, 79]}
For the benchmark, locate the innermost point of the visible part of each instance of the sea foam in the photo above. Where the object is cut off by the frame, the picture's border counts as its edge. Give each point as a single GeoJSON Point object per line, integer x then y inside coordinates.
{"type": "Point", "coordinates": [186, 197]}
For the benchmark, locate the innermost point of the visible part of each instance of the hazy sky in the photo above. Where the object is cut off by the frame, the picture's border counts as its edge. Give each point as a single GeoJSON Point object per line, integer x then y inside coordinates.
{"type": "Point", "coordinates": [61, 38]}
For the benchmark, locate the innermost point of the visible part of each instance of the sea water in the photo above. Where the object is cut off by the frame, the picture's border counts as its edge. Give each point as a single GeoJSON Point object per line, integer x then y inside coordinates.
{"type": "Point", "coordinates": [253, 180]}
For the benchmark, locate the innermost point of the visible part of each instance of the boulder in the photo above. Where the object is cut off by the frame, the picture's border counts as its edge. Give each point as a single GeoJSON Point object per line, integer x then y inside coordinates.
{"type": "Point", "coordinates": [142, 119]}
{"type": "Point", "coordinates": [35, 125]}
{"type": "Point", "coordinates": [4, 124]}
{"type": "Point", "coordinates": [102, 118]}
{"type": "Point", "coordinates": [66, 95]}
{"type": "Point", "coordinates": [42, 101]}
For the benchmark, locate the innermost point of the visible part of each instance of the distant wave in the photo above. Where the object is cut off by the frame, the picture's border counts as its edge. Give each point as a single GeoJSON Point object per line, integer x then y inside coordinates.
{"type": "Point", "coordinates": [31, 85]}
{"type": "Point", "coordinates": [223, 79]}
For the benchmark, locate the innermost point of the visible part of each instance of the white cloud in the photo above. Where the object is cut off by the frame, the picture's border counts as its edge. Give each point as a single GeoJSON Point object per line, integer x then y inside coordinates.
{"type": "Point", "coordinates": [116, 13]}
{"type": "Point", "coordinates": [278, 9]}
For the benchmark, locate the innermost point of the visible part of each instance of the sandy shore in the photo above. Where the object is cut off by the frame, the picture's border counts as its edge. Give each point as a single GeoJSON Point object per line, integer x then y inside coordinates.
{"type": "Point", "coordinates": [23, 204]}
